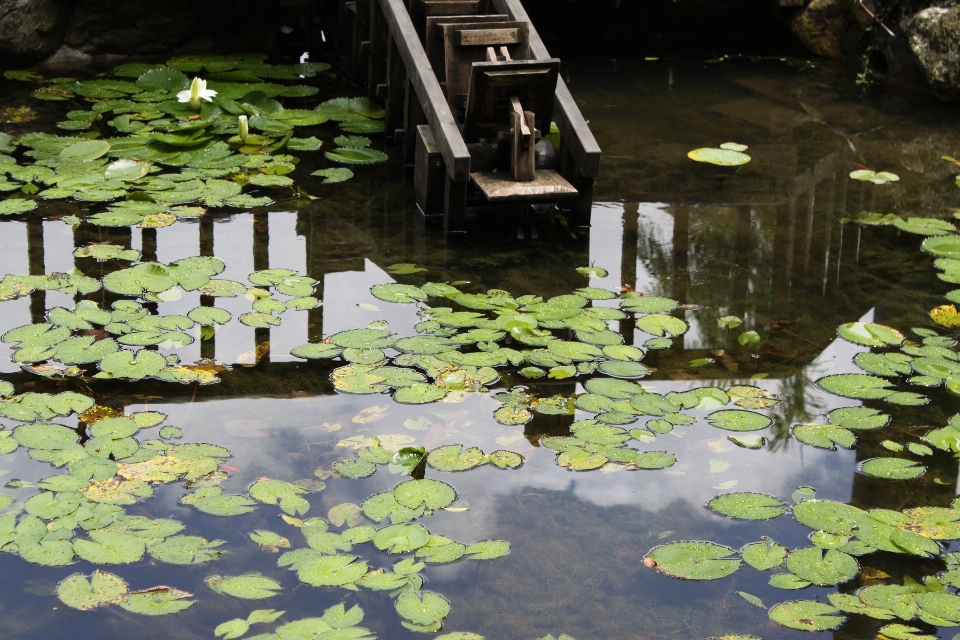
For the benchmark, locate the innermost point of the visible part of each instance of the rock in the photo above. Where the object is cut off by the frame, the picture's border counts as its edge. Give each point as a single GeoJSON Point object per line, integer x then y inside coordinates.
{"type": "Point", "coordinates": [31, 29]}
{"type": "Point", "coordinates": [65, 57]}
{"type": "Point", "coordinates": [119, 26]}
{"type": "Point", "coordinates": [831, 28]}
{"type": "Point", "coordinates": [934, 37]}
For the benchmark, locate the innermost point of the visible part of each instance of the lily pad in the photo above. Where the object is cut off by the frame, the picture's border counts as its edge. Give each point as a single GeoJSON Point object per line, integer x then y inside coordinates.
{"type": "Point", "coordinates": [806, 615]}
{"type": "Point", "coordinates": [748, 506]}
{"type": "Point", "coordinates": [824, 436]}
{"type": "Point", "coordinates": [856, 385]}
{"type": "Point", "coordinates": [346, 155]}
{"type": "Point", "coordinates": [659, 324]}
{"type": "Point", "coordinates": [331, 571]}
{"type": "Point", "coordinates": [245, 587]}
{"type": "Point", "coordinates": [401, 293]}
{"type": "Point", "coordinates": [424, 609]}
{"type": "Point", "coordinates": [693, 560]}
{"type": "Point", "coordinates": [722, 157]}
{"type": "Point", "coordinates": [432, 494]}
{"type": "Point", "coordinates": [823, 568]}
{"type": "Point", "coordinates": [870, 334]}
{"type": "Point", "coordinates": [158, 601]}
{"type": "Point", "coordinates": [892, 468]}
{"type": "Point", "coordinates": [858, 418]}
{"type": "Point", "coordinates": [764, 555]}
{"type": "Point", "coordinates": [739, 420]}
{"type": "Point", "coordinates": [102, 588]}
{"type": "Point", "coordinates": [876, 177]}
{"type": "Point", "coordinates": [451, 458]}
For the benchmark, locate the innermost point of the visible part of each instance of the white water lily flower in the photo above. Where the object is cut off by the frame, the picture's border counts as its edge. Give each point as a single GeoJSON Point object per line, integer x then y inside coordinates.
{"type": "Point", "coordinates": [244, 127]}
{"type": "Point", "coordinates": [197, 91]}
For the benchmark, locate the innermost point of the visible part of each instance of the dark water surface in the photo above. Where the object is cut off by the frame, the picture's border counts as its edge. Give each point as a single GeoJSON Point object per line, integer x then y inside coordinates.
{"type": "Point", "coordinates": [768, 242]}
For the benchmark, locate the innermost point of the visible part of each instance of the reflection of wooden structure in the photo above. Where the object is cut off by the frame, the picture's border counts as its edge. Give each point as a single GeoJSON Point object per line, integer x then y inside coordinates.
{"type": "Point", "coordinates": [471, 92]}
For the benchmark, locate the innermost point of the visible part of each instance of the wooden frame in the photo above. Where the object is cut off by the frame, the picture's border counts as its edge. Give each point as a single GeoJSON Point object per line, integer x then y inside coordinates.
{"type": "Point", "coordinates": [465, 44]}
{"type": "Point", "coordinates": [494, 84]}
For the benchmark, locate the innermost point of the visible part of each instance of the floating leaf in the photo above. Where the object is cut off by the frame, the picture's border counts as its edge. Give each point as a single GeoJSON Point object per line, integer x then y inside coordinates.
{"type": "Point", "coordinates": [431, 493]}
{"type": "Point", "coordinates": [764, 555]}
{"type": "Point", "coordinates": [245, 587]}
{"type": "Point", "coordinates": [824, 436]}
{"type": "Point", "coordinates": [747, 506]}
{"type": "Point", "coordinates": [892, 468]}
{"type": "Point", "coordinates": [823, 568]}
{"type": "Point", "coordinates": [881, 177]}
{"type": "Point", "coordinates": [157, 601]}
{"type": "Point", "coordinates": [722, 157]}
{"type": "Point", "coordinates": [738, 420]}
{"type": "Point", "coordinates": [451, 458]}
{"type": "Point", "coordinates": [660, 325]}
{"type": "Point", "coordinates": [331, 571]}
{"type": "Point", "coordinates": [423, 609]}
{"type": "Point", "coordinates": [102, 588]}
{"type": "Point", "coordinates": [346, 155]}
{"type": "Point", "coordinates": [693, 560]}
{"type": "Point", "coordinates": [856, 385]}
{"type": "Point", "coordinates": [806, 615]}
{"type": "Point", "coordinates": [870, 334]}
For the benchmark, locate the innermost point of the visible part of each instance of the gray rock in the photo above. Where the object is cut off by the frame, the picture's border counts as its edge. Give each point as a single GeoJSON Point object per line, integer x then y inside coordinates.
{"type": "Point", "coordinates": [31, 29]}
{"type": "Point", "coordinates": [133, 28]}
{"type": "Point", "coordinates": [831, 28]}
{"type": "Point", "coordinates": [66, 57]}
{"type": "Point", "coordinates": [934, 37]}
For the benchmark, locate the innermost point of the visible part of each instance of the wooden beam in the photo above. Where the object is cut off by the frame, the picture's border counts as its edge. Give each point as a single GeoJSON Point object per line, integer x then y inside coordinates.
{"type": "Point", "coordinates": [424, 83]}
{"type": "Point", "coordinates": [573, 128]}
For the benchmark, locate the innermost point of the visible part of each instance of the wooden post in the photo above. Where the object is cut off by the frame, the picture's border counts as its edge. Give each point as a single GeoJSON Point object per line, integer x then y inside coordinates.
{"type": "Point", "coordinates": [377, 66]}
{"type": "Point", "coordinates": [396, 90]}
{"type": "Point", "coordinates": [455, 206]}
{"type": "Point", "coordinates": [413, 119]}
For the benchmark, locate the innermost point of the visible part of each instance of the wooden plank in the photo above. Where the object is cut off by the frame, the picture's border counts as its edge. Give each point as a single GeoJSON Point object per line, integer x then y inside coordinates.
{"type": "Point", "coordinates": [494, 84]}
{"type": "Point", "coordinates": [499, 186]}
{"type": "Point", "coordinates": [424, 82]}
{"type": "Point", "coordinates": [486, 37]}
{"type": "Point", "coordinates": [459, 59]}
{"type": "Point", "coordinates": [434, 39]}
{"type": "Point", "coordinates": [448, 7]}
{"type": "Point", "coordinates": [573, 128]}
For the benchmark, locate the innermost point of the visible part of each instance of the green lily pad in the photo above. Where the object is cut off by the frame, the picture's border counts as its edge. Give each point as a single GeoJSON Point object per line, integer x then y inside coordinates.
{"type": "Point", "coordinates": [612, 388]}
{"type": "Point", "coordinates": [102, 588]}
{"type": "Point", "coordinates": [505, 459]}
{"type": "Point", "coordinates": [659, 324]}
{"type": "Point", "coordinates": [822, 568]}
{"type": "Point", "coordinates": [858, 418]}
{"type": "Point", "coordinates": [488, 549]}
{"type": "Point", "coordinates": [331, 571]}
{"type": "Point", "coordinates": [346, 155]}
{"type": "Point", "coordinates": [332, 176]}
{"type": "Point", "coordinates": [126, 364]}
{"type": "Point", "coordinates": [649, 304]}
{"type": "Point", "coordinates": [85, 151]}
{"type": "Point", "coordinates": [432, 494]}
{"type": "Point", "coordinates": [942, 246]}
{"type": "Point", "coordinates": [363, 339]}
{"type": "Point", "coordinates": [693, 560]}
{"type": "Point", "coordinates": [185, 550]}
{"type": "Point", "coordinates": [748, 506]}
{"type": "Point", "coordinates": [856, 385]}
{"type": "Point", "coordinates": [722, 157]}
{"type": "Point", "coordinates": [451, 458]}
{"type": "Point", "coordinates": [401, 293]}
{"type": "Point", "coordinates": [739, 420]}
{"type": "Point", "coordinates": [158, 601]}
{"type": "Point", "coordinates": [401, 538]}
{"type": "Point", "coordinates": [423, 609]}
{"type": "Point", "coordinates": [876, 177]}
{"type": "Point", "coordinates": [925, 226]}
{"type": "Point", "coordinates": [764, 555]}
{"type": "Point", "coordinates": [806, 615]}
{"type": "Point", "coordinates": [824, 436]}
{"type": "Point", "coordinates": [12, 206]}
{"type": "Point", "coordinates": [284, 494]}
{"type": "Point", "coordinates": [110, 547]}
{"type": "Point", "coordinates": [870, 334]}
{"type": "Point", "coordinates": [892, 468]}
{"type": "Point", "coordinates": [245, 587]}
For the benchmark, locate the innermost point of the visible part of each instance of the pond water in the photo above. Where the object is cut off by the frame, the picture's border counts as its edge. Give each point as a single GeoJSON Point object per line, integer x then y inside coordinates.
{"type": "Point", "coordinates": [774, 242]}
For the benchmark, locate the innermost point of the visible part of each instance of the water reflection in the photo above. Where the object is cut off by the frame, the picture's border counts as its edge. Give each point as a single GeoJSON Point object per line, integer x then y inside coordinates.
{"type": "Point", "coordinates": [768, 243]}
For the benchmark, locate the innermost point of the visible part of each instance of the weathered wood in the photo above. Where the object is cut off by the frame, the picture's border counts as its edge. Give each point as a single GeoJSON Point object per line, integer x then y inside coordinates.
{"type": "Point", "coordinates": [448, 7]}
{"type": "Point", "coordinates": [421, 10]}
{"type": "Point", "coordinates": [412, 120]}
{"type": "Point", "coordinates": [454, 206]}
{"type": "Point", "coordinates": [434, 38]}
{"type": "Point", "coordinates": [487, 37]}
{"type": "Point", "coordinates": [396, 89]}
{"type": "Point", "coordinates": [493, 84]}
{"type": "Point", "coordinates": [573, 128]}
{"type": "Point", "coordinates": [523, 154]}
{"type": "Point", "coordinates": [499, 186]}
{"type": "Point", "coordinates": [455, 154]}
{"type": "Point", "coordinates": [459, 58]}
{"type": "Point", "coordinates": [428, 174]}
{"type": "Point", "coordinates": [377, 65]}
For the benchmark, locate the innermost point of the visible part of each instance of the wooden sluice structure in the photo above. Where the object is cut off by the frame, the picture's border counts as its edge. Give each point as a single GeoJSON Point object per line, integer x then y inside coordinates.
{"type": "Point", "coordinates": [471, 93]}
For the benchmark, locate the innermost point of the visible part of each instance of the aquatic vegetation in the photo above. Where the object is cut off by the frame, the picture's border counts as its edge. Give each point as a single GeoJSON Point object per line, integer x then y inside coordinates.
{"type": "Point", "coordinates": [730, 154]}
{"type": "Point", "coordinates": [163, 141]}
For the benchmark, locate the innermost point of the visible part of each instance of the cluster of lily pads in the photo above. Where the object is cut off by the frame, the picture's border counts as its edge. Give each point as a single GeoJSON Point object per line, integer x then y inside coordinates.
{"type": "Point", "coordinates": [89, 334]}
{"type": "Point", "coordinates": [151, 147]}
{"type": "Point", "coordinates": [108, 469]}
